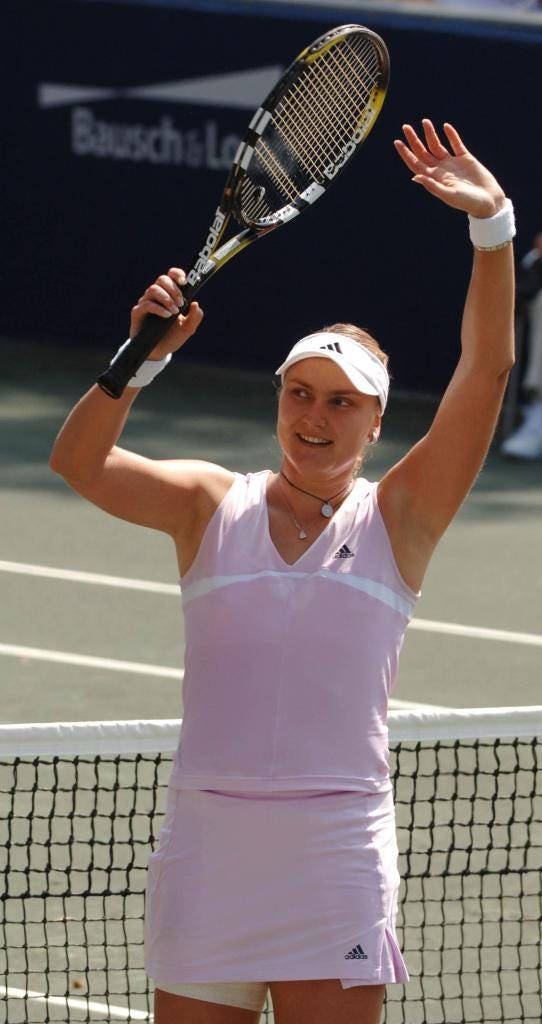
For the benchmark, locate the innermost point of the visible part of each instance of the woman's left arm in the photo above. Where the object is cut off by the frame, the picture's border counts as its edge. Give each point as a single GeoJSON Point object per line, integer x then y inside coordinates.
{"type": "Point", "coordinates": [421, 494]}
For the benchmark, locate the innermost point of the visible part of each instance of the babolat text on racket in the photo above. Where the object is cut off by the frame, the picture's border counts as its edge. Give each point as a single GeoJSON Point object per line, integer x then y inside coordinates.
{"type": "Point", "coordinates": [306, 131]}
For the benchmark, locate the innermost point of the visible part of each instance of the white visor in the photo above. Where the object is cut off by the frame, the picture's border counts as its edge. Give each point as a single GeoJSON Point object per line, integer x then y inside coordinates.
{"type": "Point", "coordinates": [363, 369]}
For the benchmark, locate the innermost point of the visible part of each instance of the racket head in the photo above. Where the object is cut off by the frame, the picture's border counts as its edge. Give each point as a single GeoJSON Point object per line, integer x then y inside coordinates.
{"type": "Point", "coordinates": [309, 127]}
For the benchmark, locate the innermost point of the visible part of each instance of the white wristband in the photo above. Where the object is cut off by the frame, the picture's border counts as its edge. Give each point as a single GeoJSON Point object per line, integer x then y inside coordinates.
{"type": "Point", "coordinates": [147, 371]}
{"type": "Point", "coordinates": [491, 233]}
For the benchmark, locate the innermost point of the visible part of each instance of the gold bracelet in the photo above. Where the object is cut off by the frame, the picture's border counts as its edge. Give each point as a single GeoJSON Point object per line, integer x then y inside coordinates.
{"type": "Point", "coordinates": [492, 248]}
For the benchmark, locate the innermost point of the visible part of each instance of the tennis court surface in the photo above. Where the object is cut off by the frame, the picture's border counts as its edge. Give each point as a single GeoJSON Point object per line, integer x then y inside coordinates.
{"type": "Point", "coordinates": [92, 631]}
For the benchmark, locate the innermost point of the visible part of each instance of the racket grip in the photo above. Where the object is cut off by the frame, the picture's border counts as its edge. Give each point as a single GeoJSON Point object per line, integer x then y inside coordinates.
{"type": "Point", "coordinates": [114, 380]}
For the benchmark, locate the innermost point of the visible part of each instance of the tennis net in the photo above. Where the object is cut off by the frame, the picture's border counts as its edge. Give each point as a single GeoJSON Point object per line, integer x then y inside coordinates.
{"type": "Point", "coordinates": [80, 810]}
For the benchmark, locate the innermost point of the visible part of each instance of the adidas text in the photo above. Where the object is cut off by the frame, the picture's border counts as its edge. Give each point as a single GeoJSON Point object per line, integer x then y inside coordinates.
{"type": "Point", "coordinates": [344, 552]}
{"type": "Point", "coordinates": [356, 954]}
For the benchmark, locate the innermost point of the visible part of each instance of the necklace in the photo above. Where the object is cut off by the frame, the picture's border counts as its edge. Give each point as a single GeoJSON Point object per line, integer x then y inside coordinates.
{"type": "Point", "coordinates": [327, 508]}
{"type": "Point", "coordinates": [302, 533]}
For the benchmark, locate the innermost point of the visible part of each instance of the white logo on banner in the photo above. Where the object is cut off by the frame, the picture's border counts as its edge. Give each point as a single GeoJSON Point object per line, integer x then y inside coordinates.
{"type": "Point", "coordinates": [165, 141]}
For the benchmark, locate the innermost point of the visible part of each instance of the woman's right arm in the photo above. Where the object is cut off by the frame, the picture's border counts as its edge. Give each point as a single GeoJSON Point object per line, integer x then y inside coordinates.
{"type": "Point", "coordinates": [169, 495]}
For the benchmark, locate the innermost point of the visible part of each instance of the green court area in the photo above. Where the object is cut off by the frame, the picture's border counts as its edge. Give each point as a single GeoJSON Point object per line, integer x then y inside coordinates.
{"type": "Point", "coordinates": [75, 646]}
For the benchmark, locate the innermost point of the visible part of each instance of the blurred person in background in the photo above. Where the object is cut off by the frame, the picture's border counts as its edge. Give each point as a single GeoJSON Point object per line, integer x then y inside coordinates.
{"type": "Point", "coordinates": [526, 441]}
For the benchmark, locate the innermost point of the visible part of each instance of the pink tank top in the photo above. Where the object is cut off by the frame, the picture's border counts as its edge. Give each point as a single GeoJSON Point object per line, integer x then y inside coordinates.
{"type": "Point", "coordinates": [288, 668]}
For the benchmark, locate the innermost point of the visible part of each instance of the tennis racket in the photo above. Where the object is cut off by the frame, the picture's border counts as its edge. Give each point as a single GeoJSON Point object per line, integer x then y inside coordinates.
{"type": "Point", "coordinates": [305, 132]}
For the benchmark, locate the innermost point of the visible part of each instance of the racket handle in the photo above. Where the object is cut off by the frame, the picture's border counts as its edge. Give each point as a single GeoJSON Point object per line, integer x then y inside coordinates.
{"type": "Point", "coordinates": [114, 380]}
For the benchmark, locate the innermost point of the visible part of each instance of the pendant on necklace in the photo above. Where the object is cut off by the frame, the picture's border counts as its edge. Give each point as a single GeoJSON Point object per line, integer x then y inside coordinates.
{"type": "Point", "coordinates": [302, 535]}
{"type": "Point", "coordinates": [327, 510]}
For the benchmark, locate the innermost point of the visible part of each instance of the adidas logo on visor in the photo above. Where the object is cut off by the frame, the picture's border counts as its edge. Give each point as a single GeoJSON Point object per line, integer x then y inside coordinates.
{"type": "Point", "coordinates": [334, 346]}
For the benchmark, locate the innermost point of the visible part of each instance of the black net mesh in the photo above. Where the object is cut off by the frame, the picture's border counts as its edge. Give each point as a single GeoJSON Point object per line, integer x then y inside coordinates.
{"type": "Point", "coordinates": [76, 833]}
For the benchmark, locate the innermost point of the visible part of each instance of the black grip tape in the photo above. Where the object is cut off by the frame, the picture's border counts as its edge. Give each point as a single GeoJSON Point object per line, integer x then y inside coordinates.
{"type": "Point", "coordinates": [114, 380]}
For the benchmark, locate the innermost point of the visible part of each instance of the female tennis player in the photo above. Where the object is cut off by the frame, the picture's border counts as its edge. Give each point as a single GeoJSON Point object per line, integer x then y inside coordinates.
{"type": "Point", "coordinates": [277, 861]}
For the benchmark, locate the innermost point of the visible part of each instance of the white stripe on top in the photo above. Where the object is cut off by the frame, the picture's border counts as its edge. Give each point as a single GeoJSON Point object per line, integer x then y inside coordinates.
{"type": "Point", "coordinates": [377, 590]}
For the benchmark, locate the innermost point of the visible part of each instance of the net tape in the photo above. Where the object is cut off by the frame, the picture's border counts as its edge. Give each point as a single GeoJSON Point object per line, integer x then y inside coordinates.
{"type": "Point", "coordinates": [80, 811]}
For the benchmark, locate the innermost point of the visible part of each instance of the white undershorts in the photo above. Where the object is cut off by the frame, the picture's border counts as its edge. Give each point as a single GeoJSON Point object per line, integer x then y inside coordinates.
{"type": "Point", "coordinates": [247, 995]}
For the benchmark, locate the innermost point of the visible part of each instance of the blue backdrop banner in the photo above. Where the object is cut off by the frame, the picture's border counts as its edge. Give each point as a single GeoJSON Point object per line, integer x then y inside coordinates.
{"type": "Point", "coordinates": [122, 122]}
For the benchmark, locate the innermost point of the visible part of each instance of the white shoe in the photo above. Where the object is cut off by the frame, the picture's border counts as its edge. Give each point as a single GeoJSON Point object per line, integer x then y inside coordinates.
{"type": "Point", "coordinates": [526, 441]}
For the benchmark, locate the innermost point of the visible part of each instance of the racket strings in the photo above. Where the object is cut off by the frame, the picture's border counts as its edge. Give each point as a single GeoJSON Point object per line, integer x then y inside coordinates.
{"type": "Point", "coordinates": [253, 201]}
{"type": "Point", "coordinates": [332, 102]}
{"type": "Point", "coordinates": [311, 126]}
{"type": "Point", "coordinates": [270, 160]}
{"type": "Point", "coordinates": [363, 66]}
{"type": "Point", "coordinates": [305, 127]}
{"type": "Point", "coordinates": [278, 172]}
{"type": "Point", "coordinates": [313, 150]}
{"type": "Point", "coordinates": [350, 93]}
{"type": "Point", "coordinates": [319, 115]}
{"type": "Point", "coordinates": [341, 75]}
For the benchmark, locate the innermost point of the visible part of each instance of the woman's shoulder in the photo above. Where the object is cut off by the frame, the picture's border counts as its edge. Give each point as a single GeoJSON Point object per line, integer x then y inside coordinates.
{"type": "Point", "coordinates": [231, 491]}
{"type": "Point", "coordinates": [365, 489]}
{"type": "Point", "coordinates": [256, 482]}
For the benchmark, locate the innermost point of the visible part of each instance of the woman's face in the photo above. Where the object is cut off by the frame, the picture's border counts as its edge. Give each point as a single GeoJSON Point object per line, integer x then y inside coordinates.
{"type": "Point", "coordinates": [323, 423]}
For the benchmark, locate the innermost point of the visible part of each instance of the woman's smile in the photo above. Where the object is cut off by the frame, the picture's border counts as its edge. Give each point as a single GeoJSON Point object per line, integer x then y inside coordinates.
{"type": "Point", "coordinates": [313, 441]}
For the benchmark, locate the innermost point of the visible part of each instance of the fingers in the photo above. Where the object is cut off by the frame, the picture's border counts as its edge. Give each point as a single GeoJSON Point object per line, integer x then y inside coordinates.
{"type": "Point", "coordinates": [453, 138]}
{"type": "Point", "coordinates": [449, 171]}
{"type": "Point", "coordinates": [156, 300]}
{"type": "Point", "coordinates": [164, 298]}
{"type": "Point", "coordinates": [415, 143]}
{"type": "Point", "coordinates": [432, 186]}
{"type": "Point", "coordinates": [415, 155]}
{"type": "Point", "coordinates": [433, 142]}
{"type": "Point", "coordinates": [177, 275]}
{"type": "Point", "coordinates": [413, 163]}
{"type": "Point", "coordinates": [192, 320]}
{"type": "Point", "coordinates": [419, 157]}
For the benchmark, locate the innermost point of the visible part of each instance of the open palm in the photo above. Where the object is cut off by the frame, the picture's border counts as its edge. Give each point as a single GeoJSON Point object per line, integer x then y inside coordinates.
{"type": "Point", "coordinates": [453, 175]}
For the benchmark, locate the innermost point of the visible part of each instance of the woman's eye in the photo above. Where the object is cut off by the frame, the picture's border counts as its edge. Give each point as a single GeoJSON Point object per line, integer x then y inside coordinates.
{"type": "Point", "coordinates": [342, 402]}
{"type": "Point", "coordinates": [300, 392]}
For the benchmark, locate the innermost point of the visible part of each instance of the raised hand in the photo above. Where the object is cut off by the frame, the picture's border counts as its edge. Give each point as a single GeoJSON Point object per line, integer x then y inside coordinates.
{"type": "Point", "coordinates": [451, 174]}
{"type": "Point", "coordinates": [164, 298]}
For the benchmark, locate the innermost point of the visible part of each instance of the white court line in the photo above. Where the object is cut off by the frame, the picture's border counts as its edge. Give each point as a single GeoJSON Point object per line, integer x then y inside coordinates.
{"type": "Point", "coordinates": [86, 661]}
{"type": "Point", "coordinates": [113, 1012]}
{"type": "Point", "coordinates": [90, 577]}
{"type": "Point", "coordinates": [172, 589]}
{"type": "Point", "coordinates": [479, 632]}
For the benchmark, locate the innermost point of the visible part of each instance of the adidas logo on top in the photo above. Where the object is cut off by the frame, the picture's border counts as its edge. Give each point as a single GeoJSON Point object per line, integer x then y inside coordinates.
{"type": "Point", "coordinates": [356, 954]}
{"type": "Point", "coordinates": [344, 552]}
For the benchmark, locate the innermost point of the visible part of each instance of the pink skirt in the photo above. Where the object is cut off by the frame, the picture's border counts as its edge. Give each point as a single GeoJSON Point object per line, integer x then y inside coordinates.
{"type": "Point", "coordinates": [274, 887]}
